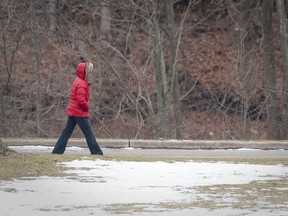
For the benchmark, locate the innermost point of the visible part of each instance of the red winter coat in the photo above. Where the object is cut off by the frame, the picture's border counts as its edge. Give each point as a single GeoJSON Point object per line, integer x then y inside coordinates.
{"type": "Point", "coordinates": [79, 95]}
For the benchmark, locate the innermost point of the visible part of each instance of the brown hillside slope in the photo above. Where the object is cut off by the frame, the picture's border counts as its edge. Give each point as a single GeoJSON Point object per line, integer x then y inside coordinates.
{"type": "Point", "coordinates": [208, 61]}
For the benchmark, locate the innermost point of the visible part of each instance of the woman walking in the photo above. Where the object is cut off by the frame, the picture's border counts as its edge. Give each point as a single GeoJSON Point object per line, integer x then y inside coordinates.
{"type": "Point", "coordinates": [78, 111]}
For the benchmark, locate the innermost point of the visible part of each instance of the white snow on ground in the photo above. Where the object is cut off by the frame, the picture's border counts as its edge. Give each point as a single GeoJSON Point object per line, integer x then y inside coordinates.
{"type": "Point", "coordinates": [168, 174]}
{"type": "Point", "coordinates": [46, 149]}
{"type": "Point", "coordinates": [100, 185]}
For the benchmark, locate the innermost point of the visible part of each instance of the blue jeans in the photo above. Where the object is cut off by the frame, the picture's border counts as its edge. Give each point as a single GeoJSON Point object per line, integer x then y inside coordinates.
{"type": "Point", "coordinates": [84, 125]}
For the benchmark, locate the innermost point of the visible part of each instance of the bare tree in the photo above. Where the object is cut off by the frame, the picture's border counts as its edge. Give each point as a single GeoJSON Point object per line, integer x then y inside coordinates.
{"type": "Point", "coordinates": [52, 17]}
{"type": "Point", "coordinates": [4, 149]}
{"type": "Point", "coordinates": [105, 27]}
{"type": "Point", "coordinates": [10, 44]}
{"type": "Point", "coordinates": [35, 44]}
{"type": "Point", "coordinates": [148, 14]}
{"type": "Point", "coordinates": [269, 71]}
{"type": "Point", "coordinates": [173, 61]}
{"type": "Point", "coordinates": [246, 12]}
{"type": "Point", "coordinates": [133, 88]}
{"type": "Point", "coordinates": [160, 74]}
{"type": "Point", "coordinates": [284, 48]}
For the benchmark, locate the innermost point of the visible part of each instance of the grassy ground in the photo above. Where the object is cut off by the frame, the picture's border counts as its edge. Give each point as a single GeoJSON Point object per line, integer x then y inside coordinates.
{"type": "Point", "coordinates": [254, 195]}
{"type": "Point", "coordinates": [15, 165]}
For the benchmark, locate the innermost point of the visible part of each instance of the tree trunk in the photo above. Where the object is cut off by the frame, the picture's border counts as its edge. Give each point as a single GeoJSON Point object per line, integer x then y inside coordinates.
{"type": "Point", "coordinates": [4, 149]}
{"type": "Point", "coordinates": [105, 27]}
{"type": "Point", "coordinates": [37, 72]}
{"type": "Point", "coordinates": [3, 121]}
{"type": "Point", "coordinates": [52, 18]}
{"type": "Point", "coordinates": [161, 79]}
{"type": "Point", "coordinates": [284, 48]}
{"type": "Point", "coordinates": [8, 58]}
{"type": "Point", "coordinates": [173, 54]}
{"type": "Point", "coordinates": [245, 56]}
{"type": "Point", "coordinates": [269, 70]}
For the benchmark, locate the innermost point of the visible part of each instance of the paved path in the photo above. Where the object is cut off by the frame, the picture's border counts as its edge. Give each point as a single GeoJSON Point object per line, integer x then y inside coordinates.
{"type": "Point", "coordinates": [161, 147]}
{"type": "Point", "coordinates": [162, 152]}
{"type": "Point", "coordinates": [197, 153]}
{"type": "Point", "coordinates": [157, 144]}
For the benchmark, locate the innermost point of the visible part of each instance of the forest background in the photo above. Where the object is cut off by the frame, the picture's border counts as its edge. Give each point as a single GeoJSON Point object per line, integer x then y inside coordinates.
{"type": "Point", "coordinates": [171, 69]}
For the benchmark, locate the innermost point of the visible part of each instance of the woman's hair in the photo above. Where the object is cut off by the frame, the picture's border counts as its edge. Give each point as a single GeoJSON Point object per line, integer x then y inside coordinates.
{"type": "Point", "coordinates": [89, 71]}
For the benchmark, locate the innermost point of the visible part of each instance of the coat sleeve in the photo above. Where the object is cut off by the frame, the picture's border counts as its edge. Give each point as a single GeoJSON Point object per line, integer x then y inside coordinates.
{"type": "Point", "coordinates": [82, 98]}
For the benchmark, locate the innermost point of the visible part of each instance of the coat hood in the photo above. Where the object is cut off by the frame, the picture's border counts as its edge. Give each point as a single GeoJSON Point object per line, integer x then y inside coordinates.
{"type": "Point", "coordinates": [80, 70]}
{"type": "Point", "coordinates": [85, 71]}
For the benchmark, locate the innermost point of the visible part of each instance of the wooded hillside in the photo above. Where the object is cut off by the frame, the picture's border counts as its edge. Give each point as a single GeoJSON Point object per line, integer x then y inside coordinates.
{"type": "Point", "coordinates": [218, 61]}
